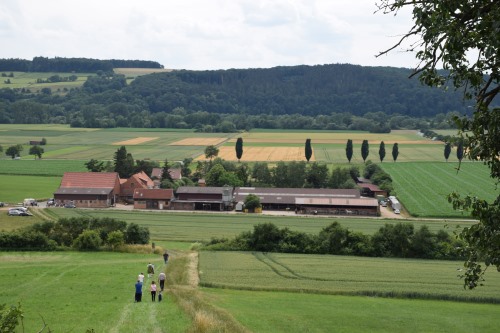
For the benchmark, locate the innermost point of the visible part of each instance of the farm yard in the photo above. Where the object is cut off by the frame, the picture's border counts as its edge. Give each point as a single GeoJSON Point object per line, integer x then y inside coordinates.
{"type": "Point", "coordinates": [264, 292]}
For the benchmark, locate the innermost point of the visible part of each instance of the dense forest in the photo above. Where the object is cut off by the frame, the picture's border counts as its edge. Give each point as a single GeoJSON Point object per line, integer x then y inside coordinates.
{"type": "Point", "coordinates": [333, 97]}
{"type": "Point", "coordinates": [68, 65]}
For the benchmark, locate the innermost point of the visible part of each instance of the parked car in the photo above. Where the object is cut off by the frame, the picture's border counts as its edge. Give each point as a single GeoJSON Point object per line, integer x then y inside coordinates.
{"type": "Point", "coordinates": [51, 202]}
{"type": "Point", "coordinates": [19, 212]}
{"type": "Point", "coordinates": [383, 203]}
{"type": "Point", "coordinates": [69, 205]}
{"type": "Point", "coordinates": [396, 211]}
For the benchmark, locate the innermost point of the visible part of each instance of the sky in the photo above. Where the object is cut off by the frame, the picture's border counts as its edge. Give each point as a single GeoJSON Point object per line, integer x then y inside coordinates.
{"type": "Point", "coordinates": [205, 34]}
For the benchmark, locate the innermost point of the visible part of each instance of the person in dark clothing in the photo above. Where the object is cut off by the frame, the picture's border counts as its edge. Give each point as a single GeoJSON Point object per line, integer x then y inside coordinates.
{"type": "Point", "coordinates": [165, 257]}
{"type": "Point", "coordinates": [138, 291]}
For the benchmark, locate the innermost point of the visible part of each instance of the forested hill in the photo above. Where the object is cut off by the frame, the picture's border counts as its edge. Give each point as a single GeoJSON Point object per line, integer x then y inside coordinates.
{"type": "Point", "coordinates": [331, 97]}
{"type": "Point", "coordinates": [68, 65]}
{"type": "Point", "coordinates": [305, 90]}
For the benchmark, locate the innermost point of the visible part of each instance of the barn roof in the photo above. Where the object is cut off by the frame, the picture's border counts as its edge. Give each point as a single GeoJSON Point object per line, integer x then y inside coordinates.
{"type": "Point", "coordinates": [200, 190]}
{"type": "Point", "coordinates": [358, 202]}
{"type": "Point", "coordinates": [89, 179]}
{"type": "Point", "coordinates": [269, 195]}
{"type": "Point", "coordinates": [83, 191]}
{"type": "Point", "coordinates": [146, 193]}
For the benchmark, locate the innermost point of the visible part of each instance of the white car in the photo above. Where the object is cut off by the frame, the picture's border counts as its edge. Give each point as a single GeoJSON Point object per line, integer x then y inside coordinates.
{"type": "Point", "coordinates": [396, 211]}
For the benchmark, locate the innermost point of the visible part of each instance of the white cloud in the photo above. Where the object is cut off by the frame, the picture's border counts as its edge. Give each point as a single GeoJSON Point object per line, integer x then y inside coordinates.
{"type": "Point", "coordinates": [201, 34]}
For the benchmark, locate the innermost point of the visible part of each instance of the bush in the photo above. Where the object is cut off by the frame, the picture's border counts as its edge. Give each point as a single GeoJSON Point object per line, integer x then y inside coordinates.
{"type": "Point", "coordinates": [135, 234]}
{"type": "Point", "coordinates": [115, 239]}
{"type": "Point", "coordinates": [88, 240]}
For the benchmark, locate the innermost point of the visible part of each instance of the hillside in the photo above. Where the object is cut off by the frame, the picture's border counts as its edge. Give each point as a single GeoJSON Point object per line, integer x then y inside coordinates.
{"type": "Point", "coordinates": [332, 97]}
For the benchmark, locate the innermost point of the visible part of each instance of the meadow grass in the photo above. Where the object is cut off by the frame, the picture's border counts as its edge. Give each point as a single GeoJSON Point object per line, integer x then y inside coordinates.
{"type": "Point", "coordinates": [343, 275]}
{"type": "Point", "coordinates": [194, 227]}
{"type": "Point", "coordinates": [42, 167]}
{"type": "Point", "coordinates": [78, 291]}
{"type": "Point", "coordinates": [296, 313]}
{"type": "Point", "coordinates": [423, 187]}
{"type": "Point", "coordinates": [28, 80]}
{"type": "Point", "coordinates": [16, 188]}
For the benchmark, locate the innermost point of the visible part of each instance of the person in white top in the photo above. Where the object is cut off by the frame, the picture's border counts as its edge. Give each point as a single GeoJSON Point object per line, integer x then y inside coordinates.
{"type": "Point", "coordinates": [141, 278]}
{"type": "Point", "coordinates": [161, 278]}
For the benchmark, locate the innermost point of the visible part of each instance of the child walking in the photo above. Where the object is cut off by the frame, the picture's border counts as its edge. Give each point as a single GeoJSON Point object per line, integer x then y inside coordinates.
{"type": "Point", "coordinates": [153, 291]}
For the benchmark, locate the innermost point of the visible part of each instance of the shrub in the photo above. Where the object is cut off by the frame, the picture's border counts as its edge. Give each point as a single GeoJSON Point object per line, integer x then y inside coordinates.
{"type": "Point", "coordinates": [88, 240]}
{"type": "Point", "coordinates": [115, 239]}
{"type": "Point", "coordinates": [135, 234]}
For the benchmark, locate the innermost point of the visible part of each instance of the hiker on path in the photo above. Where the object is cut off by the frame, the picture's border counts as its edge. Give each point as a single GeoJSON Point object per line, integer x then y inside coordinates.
{"type": "Point", "coordinates": [138, 291]}
{"type": "Point", "coordinates": [151, 270]}
{"type": "Point", "coordinates": [141, 277]}
{"type": "Point", "coordinates": [161, 278]}
{"type": "Point", "coordinates": [165, 257]}
{"type": "Point", "coordinates": [153, 291]}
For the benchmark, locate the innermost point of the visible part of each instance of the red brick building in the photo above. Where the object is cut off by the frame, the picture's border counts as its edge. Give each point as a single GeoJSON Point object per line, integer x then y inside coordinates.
{"type": "Point", "coordinates": [138, 181]}
{"type": "Point", "coordinates": [153, 198]}
{"type": "Point", "coordinates": [88, 189]}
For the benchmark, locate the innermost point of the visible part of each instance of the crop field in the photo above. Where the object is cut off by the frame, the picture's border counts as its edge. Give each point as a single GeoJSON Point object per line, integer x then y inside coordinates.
{"type": "Point", "coordinates": [342, 275]}
{"type": "Point", "coordinates": [192, 227]}
{"type": "Point", "coordinates": [199, 142]}
{"type": "Point", "coordinates": [423, 187]}
{"type": "Point", "coordinates": [253, 154]}
{"type": "Point", "coordinates": [40, 167]}
{"type": "Point", "coordinates": [270, 312]}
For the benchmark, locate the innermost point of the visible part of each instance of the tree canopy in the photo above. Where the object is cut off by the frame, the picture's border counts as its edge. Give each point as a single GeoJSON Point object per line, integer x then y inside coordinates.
{"type": "Point", "coordinates": [463, 37]}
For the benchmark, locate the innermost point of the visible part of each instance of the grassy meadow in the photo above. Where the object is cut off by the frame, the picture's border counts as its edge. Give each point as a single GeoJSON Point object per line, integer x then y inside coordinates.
{"type": "Point", "coordinates": [28, 80]}
{"type": "Point", "coordinates": [15, 188]}
{"type": "Point", "coordinates": [423, 186]}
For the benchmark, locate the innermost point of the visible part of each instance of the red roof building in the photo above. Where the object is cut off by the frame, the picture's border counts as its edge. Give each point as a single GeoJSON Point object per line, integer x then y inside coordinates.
{"type": "Point", "coordinates": [137, 181]}
{"type": "Point", "coordinates": [88, 189]}
{"type": "Point", "coordinates": [153, 198]}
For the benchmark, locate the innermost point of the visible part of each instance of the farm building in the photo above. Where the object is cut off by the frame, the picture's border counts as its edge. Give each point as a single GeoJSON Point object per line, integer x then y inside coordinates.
{"type": "Point", "coordinates": [152, 198]}
{"type": "Point", "coordinates": [128, 186]}
{"type": "Point", "coordinates": [157, 173]}
{"type": "Point", "coordinates": [203, 198]}
{"type": "Point", "coordinates": [371, 190]}
{"type": "Point", "coordinates": [310, 200]}
{"type": "Point", "coordinates": [88, 189]}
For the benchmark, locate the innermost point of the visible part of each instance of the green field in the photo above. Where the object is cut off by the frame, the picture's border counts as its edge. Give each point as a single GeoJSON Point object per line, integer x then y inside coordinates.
{"type": "Point", "coordinates": [193, 227]}
{"type": "Point", "coordinates": [423, 187]}
{"type": "Point", "coordinates": [40, 167]}
{"type": "Point", "coordinates": [73, 292]}
{"type": "Point", "coordinates": [14, 189]}
{"type": "Point", "coordinates": [76, 291]}
{"type": "Point", "coordinates": [341, 275]}
{"type": "Point", "coordinates": [28, 80]}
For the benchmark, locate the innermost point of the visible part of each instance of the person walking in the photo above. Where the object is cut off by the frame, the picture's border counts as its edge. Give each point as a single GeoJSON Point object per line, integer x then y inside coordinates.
{"type": "Point", "coordinates": [165, 257]}
{"type": "Point", "coordinates": [153, 291]}
{"type": "Point", "coordinates": [161, 278]}
{"type": "Point", "coordinates": [151, 270]}
{"type": "Point", "coordinates": [138, 291]}
{"type": "Point", "coordinates": [141, 277]}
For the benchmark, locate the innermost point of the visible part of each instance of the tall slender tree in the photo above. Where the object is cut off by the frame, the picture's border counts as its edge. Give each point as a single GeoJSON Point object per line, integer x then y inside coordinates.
{"type": "Point", "coordinates": [165, 173]}
{"type": "Point", "coordinates": [124, 163]}
{"type": "Point", "coordinates": [395, 151]}
{"type": "Point", "coordinates": [460, 150]}
{"type": "Point", "coordinates": [365, 150]}
{"type": "Point", "coordinates": [447, 151]}
{"type": "Point", "coordinates": [348, 150]}
{"type": "Point", "coordinates": [381, 151]}
{"type": "Point", "coordinates": [239, 148]}
{"type": "Point", "coordinates": [308, 149]}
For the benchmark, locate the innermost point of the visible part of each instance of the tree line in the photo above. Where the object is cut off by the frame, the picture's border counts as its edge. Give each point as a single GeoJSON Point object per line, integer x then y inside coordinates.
{"type": "Point", "coordinates": [329, 97]}
{"type": "Point", "coordinates": [68, 65]}
{"type": "Point", "coordinates": [399, 240]}
{"type": "Point", "coordinates": [81, 233]}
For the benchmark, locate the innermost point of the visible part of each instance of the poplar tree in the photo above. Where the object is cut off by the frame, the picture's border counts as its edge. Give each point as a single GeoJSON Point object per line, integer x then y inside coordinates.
{"type": "Point", "coordinates": [239, 148]}
{"type": "Point", "coordinates": [381, 151]}
{"type": "Point", "coordinates": [348, 150]}
{"type": "Point", "coordinates": [365, 150]}
{"type": "Point", "coordinates": [308, 149]}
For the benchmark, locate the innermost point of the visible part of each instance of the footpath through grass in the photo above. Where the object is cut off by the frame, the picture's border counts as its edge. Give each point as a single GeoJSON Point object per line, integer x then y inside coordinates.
{"type": "Point", "coordinates": [74, 291]}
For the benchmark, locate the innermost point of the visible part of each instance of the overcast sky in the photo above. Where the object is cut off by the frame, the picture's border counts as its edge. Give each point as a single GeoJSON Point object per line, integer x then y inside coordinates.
{"type": "Point", "coordinates": [204, 34]}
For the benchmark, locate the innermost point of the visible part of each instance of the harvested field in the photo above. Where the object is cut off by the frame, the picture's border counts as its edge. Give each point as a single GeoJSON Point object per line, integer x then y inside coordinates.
{"type": "Point", "coordinates": [336, 141]}
{"type": "Point", "coordinates": [198, 142]}
{"type": "Point", "coordinates": [139, 71]}
{"type": "Point", "coordinates": [136, 141]}
{"type": "Point", "coordinates": [253, 154]}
